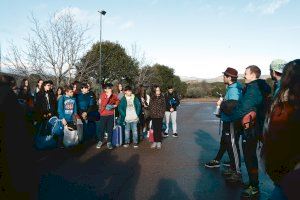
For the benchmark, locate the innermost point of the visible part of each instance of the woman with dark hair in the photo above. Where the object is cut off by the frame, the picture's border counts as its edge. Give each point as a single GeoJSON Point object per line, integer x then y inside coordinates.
{"type": "Point", "coordinates": [281, 137]}
{"type": "Point", "coordinates": [157, 109]}
{"type": "Point", "coordinates": [45, 105]}
{"type": "Point", "coordinates": [59, 93]}
{"type": "Point", "coordinates": [25, 93]}
{"type": "Point", "coordinates": [144, 117]}
{"type": "Point", "coordinates": [38, 86]}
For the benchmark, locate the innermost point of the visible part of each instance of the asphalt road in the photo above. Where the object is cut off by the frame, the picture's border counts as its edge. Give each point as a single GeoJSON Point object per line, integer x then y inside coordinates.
{"type": "Point", "coordinates": [175, 172]}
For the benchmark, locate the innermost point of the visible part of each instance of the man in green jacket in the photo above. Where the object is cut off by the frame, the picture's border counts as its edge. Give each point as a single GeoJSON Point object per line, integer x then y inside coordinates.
{"type": "Point", "coordinates": [129, 109]}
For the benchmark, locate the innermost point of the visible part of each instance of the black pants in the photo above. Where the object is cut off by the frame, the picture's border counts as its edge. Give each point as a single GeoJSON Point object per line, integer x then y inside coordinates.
{"type": "Point", "coordinates": [106, 123]}
{"type": "Point", "coordinates": [249, 144]}
{"type": "Point", "coordinates": [230, 143]}
{"type": "Point", "coordinates": [157, 129]}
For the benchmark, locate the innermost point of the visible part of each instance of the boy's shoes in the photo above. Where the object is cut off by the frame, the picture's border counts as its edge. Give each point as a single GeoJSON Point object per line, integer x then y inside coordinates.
{"type": "Point", "coordinates": [109, 145]}
{"type": "Point", "coordinates": [251, 191]}
{"type": "Point", "coordinates": [99, 145]}
{"type": "Point", "coordinates": [135, 146]}
{"type": "Point", "coordinates": [213, 164]}
{"type": "Point", "coordinates": [175, 135]}
{"type": "Point", "coordinates": [158, 146]}
{"type": "Point", "coordinates": [126, 145]}
{"type": "Point", "coordinates": [153, 145]}
{"type": "Point", "coordinates": [165, 135]}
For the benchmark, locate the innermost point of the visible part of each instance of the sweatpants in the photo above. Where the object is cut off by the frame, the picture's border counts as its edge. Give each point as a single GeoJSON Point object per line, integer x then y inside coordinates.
{"type": "Point", "coordinates": [173, 116]}
{"type": "Point", "coordinates": [230, 143]}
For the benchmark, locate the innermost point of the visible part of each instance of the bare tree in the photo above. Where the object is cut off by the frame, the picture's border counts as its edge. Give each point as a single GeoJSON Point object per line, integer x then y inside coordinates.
{"type": "Point", "coordinates": [52, 49]}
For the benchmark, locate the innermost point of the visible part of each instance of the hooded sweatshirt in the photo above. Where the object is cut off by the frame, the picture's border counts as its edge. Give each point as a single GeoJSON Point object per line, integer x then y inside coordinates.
{"type": "Point", "coordinates": [67, 108]}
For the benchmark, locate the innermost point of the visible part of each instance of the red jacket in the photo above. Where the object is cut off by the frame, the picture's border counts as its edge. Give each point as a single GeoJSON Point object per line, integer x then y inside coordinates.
{"type": "Point", "coordinates": [281, 142]}
{"type": "Point", "coordinates": [104, 102]}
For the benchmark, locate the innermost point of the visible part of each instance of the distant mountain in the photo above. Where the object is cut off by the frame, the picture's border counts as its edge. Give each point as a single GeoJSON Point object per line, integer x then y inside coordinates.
{"type": "Point", "coordinates": [212, 80]}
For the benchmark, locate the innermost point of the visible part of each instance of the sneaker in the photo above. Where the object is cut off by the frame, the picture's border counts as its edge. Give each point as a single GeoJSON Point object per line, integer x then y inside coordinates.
{"type": "Point", "coordinates": [234, 178]}
{"type": "Point", "coordinates": [213, 164]}
{"type": "Point", "coordinates": [99, 145]}
{"type": "Point", "coordinates": [228, 172]}
{"type": "Point", "coordinates": [109, 145]}
{"type": "Point", "coordinates": [158, 145]}
{"type": "Point", "coordinates": [165, 135]}
{"type": "Point", "coordinates": [135, 146]}
{"type": "Point", "coordinates": [175, 135]}
{"type": "Point", "coordinates": [153, 145]}
{"type": "Point", "coordinates": [251, 191]}
{"type": "Point", "coordinates": [226, 163]}
{"type": "Point", "coordinates": [126, 145]}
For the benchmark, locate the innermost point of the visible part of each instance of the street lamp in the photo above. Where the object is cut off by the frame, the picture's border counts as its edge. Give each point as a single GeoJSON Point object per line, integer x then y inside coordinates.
{"type": "Point", "coordinates": [102, 12]}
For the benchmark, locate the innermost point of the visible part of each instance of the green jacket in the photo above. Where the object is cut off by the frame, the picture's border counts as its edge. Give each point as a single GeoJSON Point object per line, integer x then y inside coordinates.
{"type": "Point", "coordinates": [123, 106]}
{"type": "Point", "coordinates": [252, 100]}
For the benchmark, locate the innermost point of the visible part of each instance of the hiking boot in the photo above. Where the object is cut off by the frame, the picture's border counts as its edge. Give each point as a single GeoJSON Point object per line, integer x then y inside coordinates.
{"type": "Point", "coordinates": [99, 145]}
{"type": "Point", "coordinates": [234, 178]}
{"type": "Point", "coordinates": [213, 164]}
{"type": "Point", "coordinates": [228, 172]}
{"type": "Point", "coordinates": [153, 145]}
{"type": "Point", "coordinates": [251, 191]}
{"type": "Point", "coordinates": [135, 146]}
{"type": "Point", "coordinates": [158, 145]}
{"type": "Point", "coordinates": [126, 145]}
{"type": "Point", "coordinates": [165, 135]}
{"type": "Point", "coordinates": [109, 145]}
{"type": "Point", "coordinates": [226, 163]}
{"type": "Point", "coordinates": [175, 135]}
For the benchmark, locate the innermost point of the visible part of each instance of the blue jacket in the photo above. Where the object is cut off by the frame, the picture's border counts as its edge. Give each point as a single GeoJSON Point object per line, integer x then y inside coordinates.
{"type": "Point", "coordinates": [67, 108]}
{"type": "Point", "coordinates": [85, 102]}
{"type": "Point", "coordinates": [252, 100]}
{"type": "Point", "coordinates": [234, 91]}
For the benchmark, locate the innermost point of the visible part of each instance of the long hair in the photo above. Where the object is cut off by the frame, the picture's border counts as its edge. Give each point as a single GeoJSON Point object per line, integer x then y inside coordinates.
{"type": "Point", "coordinates": [23, 84]}
{"type": "Point", "coordinates": [290, 85]}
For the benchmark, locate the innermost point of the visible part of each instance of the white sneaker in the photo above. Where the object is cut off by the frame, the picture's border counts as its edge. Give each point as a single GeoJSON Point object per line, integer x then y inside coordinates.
{"type": "Point", "coordinates": [135, 146]}
{"type": "Point", "coordinates": [126, 145]}
{"type": "Point", "coordinates": [158, 145]}
{"type": "Point", "coordinates": [99, 145]}
{"type": "Point", "coordinates": [153, 145]}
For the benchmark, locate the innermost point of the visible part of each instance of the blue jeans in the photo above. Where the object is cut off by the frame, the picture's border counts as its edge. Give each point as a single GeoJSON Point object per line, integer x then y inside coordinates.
{"type": "Point", "coordinates": [278, 194]}
{"type": "Point", "coordinates": [131, 126]}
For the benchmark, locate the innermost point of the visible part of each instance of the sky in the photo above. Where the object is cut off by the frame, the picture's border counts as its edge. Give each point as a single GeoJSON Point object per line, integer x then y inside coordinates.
{"type": "Point", "coordinates": [198, 38]}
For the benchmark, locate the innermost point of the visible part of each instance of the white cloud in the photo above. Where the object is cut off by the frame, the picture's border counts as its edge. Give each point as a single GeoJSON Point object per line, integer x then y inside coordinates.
{"type": "Point", "coordinates": [127, 25]}
{"type": "Point", "coordinates": [266, 7]}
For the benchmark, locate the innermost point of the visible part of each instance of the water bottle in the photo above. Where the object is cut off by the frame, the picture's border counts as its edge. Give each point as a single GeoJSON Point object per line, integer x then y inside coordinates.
{"type": "Point", "coordinates": [218, 110]}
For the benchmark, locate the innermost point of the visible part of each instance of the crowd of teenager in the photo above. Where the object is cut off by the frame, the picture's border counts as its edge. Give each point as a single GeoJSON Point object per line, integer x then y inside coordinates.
{"type": "Point", "coordinates": [250, 115]}
{"type": "Point", "coordinates": [140, 113]}
{"type": "Point", "coordinates": [256, 115]}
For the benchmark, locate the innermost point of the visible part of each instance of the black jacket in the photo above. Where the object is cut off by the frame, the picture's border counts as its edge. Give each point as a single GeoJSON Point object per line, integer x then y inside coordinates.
{"type": "Point", "coordinates": [42, 107]}
{"type": "Point", "coordinates": [172, 101]}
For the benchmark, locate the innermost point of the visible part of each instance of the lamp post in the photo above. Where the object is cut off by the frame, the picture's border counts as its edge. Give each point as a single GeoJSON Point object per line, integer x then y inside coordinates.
{"type": "Point", "coordinates": [102, 12]}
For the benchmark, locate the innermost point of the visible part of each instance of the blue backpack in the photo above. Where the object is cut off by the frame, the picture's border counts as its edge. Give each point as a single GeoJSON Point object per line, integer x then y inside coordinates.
{"type": "Point", "coordinates": [56, 126]}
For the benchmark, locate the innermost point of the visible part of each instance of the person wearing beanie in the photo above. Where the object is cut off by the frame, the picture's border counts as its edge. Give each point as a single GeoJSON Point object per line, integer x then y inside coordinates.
{"type": "Point", "coordinates": [276, 69]}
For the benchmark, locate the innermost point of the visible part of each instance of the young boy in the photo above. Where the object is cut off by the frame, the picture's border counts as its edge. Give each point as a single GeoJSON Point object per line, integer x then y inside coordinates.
{"type": "Point", "coordinates": [108, 103]}
{"type": "Point", "coordinates": [67, 107]}
{"type": "Point", "coordinates": [130, 108]}
{"type": "Point", "coordinates": [85, 102]}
